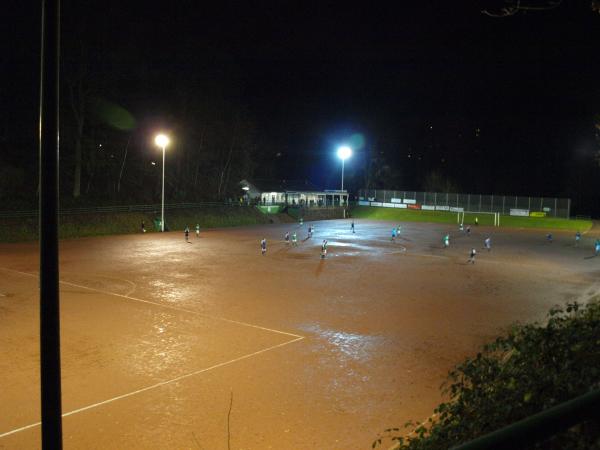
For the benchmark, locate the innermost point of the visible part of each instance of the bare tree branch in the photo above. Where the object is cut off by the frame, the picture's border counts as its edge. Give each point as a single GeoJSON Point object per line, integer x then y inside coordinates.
{"type": "Point", "coordinates": [123, 165]}
{"type": "Point", "coordinates": [512, 7]}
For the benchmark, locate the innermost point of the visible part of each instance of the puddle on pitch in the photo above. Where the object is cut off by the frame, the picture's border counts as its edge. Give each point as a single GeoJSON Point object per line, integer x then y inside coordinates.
{"type": "Point", "coordinates": [350, 244]}
{"type": "Point", "coordinates": [354, 346]}
{"type": "Point", "coordinates": [170, 292]}
{"type": "Point", "coordinates": [160, 348]}
{"type": "Point", "coordinates": [346, 254]}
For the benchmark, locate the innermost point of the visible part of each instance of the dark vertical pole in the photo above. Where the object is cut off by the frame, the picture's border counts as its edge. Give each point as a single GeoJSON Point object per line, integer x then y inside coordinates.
{"type": "Point", "coordinates": [48, 226]}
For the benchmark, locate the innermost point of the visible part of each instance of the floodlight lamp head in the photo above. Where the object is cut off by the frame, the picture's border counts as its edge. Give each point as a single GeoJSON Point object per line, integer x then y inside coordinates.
{"type": "Point", "coordinates": [161, 140]}
{"type": "Point", "coordinates": [344, 152]}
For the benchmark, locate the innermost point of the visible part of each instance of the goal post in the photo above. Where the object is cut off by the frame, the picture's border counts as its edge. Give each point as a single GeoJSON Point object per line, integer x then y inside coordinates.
{"type": "Point", "coordinates": [460, 218]}
{"type": "Point", "coordinates": [496, 219]}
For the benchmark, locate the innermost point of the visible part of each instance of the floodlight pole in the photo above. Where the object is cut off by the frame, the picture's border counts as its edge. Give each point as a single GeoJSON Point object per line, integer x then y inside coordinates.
{"type": "Point", "coordinates": [343, 160]}
{"type": "Point", "coordinates": [50, 383]}
{"type": "Point", "coordinates": [162, 209]}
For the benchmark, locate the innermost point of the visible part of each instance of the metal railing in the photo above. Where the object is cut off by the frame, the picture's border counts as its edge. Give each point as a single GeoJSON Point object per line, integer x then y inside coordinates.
{"type": "Point", "coordinates": [540, 426]}
{"type": "Point", "coordinates": [120, 208]}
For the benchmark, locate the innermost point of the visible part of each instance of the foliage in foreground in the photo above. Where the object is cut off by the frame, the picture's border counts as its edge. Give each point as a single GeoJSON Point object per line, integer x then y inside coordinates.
{"type": "Point", "coordinates": [532, 368]}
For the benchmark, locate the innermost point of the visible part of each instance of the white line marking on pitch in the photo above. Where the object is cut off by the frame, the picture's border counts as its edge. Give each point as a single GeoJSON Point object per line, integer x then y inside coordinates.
{"type": "Point", "coordinates": [402, 250]}
{"type": "Point", "coordinates": [175, 308]}
{"type": "Point", "coordinates": [425, 255]}
{"type": "Point", "coordinates": [131, 283]}
{"type": "Point", "coordinates": [586, 232]}
{"type": "Point", "coordinates": [154, 386]}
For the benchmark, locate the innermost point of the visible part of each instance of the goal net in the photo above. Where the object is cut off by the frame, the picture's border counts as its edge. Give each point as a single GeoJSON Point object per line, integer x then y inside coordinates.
{"type": "Point", "coordinates": [479, 218]}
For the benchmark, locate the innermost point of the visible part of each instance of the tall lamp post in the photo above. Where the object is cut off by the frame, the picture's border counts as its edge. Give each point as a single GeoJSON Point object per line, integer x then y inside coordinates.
{"type": "Point", "coordinates": [344, 153]}
{"type": "Point", "coordinates": [162, 141]}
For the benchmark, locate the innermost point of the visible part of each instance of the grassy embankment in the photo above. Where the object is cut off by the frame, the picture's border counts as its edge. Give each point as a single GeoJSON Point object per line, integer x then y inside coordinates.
{"type": "Point", "coordinates": [80, 225]}
{"type": "Point", "coordinates": [309, 214]}
{"type": "Point", "coordinates": [407, 215]}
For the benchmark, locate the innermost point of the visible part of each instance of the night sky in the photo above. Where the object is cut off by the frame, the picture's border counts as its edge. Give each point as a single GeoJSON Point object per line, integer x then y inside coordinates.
{"type": "Point", "coordinates": [493, 105]}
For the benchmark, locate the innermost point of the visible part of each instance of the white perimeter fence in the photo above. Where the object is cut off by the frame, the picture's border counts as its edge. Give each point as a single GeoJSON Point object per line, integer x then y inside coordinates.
{"type": "Point", "coordinates": [444, 201]}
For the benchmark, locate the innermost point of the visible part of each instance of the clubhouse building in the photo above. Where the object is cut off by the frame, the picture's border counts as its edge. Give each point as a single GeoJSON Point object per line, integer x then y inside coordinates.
{"type": "Point", "coordinates": [291, 193]}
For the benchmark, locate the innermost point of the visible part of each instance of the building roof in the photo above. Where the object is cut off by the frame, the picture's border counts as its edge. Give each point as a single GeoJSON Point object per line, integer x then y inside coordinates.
{"type": "Point", "coordinates": [284, 185]}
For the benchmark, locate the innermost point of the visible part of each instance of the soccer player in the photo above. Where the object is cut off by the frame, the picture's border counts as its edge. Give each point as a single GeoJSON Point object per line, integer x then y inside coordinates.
{"type": "Point", "coordinates": [287, 238]}
{"type": "Point", "coordinates": [488, 243]}
{"type": "Point", "coordinates": [310, 231]}
{"type": "Point", "coordinates": [187, 233]}
{"type": "Point", "coordinates": [597, 247]}
{"type": "Point", "coordinates": [197, 230]}
{"type": "Point", "coordinates": [301, 221]}
{"type": "Point", "coordinates": [352, 226]}
{"type": "Point", "coordinates": [472, 256]}
{"type": "Point", "coordinates": [446, 241]}
{"type": "Point", "coordinates": [577, 238]}
{"type": "Point", "coordinates": [549, 237]}
{"type": "Point", "coordinates": [393, 234]}
{"type": "Point", "coordinates": [263, 246]}
{"type": "Point", "coordinates": [468, 230]}
{"type": "Point", "coordinates": [324, 249]}
{"type": "Point", "coordinates": [461, 228]}
{"type": "Point", "coordinates": [398, 230]}
{"type": "Point", "coordinates": [294, 239]}
{"type": "Point", "coordinates": [143, 227]}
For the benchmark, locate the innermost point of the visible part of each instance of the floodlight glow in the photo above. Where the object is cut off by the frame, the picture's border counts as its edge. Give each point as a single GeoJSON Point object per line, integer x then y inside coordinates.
{"type": "Point", "coordinates": [344, 152]}
{"type": "Point", "coordinates": [246, 188]}
{"type": "Point", "coordinates": [161, 140]}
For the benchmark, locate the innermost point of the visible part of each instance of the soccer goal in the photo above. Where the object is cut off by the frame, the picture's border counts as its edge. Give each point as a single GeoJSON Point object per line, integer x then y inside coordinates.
{"type": "Point", "coordinates": [460, 216]}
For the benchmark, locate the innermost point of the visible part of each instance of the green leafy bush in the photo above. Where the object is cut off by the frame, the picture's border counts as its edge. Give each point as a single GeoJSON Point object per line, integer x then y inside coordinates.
{"type": "Point", "coordinates": [532, 368]}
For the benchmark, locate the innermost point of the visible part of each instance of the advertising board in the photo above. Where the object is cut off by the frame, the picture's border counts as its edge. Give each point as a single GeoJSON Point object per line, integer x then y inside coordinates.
{"type": "Point", "coordinates": [519, 212]}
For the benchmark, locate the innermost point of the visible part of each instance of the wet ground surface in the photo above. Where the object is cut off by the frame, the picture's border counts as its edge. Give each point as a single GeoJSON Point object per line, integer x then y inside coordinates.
{"type": "Point", "coordinates": [160, 336]}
